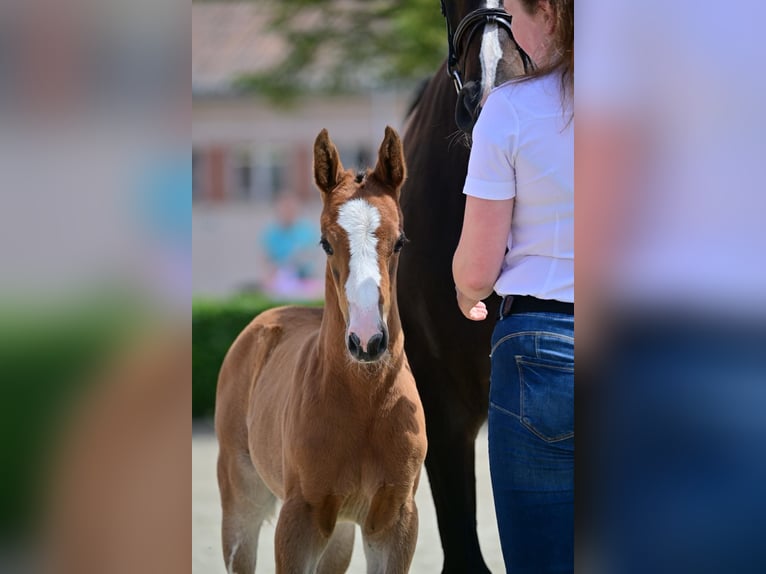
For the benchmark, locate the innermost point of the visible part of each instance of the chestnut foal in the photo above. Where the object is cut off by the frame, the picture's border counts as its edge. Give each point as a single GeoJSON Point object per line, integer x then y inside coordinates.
{"type": "Point", "coordinates": [318, 407]}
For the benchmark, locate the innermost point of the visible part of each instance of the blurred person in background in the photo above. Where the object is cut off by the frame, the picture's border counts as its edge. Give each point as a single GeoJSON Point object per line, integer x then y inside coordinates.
{"type": "Point", "coordinates": [289, 243]}
{"type": "Point", "coordinates": [518, 240]}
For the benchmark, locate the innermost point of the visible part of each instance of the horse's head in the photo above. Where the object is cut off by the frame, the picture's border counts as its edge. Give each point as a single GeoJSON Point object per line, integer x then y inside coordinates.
{"type": "Point", "coordinates": [362, 234]}
{"type": "Point", "coordinates": [482, 53]}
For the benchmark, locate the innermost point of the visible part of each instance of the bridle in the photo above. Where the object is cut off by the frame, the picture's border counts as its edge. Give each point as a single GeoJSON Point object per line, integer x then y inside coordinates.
{"type": "Point", "coordinates": [468, 26]}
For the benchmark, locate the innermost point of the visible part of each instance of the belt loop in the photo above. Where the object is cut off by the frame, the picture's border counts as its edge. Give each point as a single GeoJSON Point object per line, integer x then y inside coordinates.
{"type": "Point", "coordinates": [505, 306]}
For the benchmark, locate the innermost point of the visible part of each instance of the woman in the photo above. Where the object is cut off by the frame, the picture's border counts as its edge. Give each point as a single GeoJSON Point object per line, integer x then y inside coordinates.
{"type": "Point", "coordinates": [520, 198]}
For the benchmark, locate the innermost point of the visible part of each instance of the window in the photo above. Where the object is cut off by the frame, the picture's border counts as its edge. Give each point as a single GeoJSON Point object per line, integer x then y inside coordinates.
{"type": "Point", "coordinates": [242, 182]}
{"type": "Point", "coordinates": [198, 181]}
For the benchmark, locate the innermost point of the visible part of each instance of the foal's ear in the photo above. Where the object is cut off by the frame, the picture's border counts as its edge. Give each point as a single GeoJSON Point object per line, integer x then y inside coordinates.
{"type": "Point", "coordinates": [391, 169]}
{"type": "Point", "coordinates": [327, 166]}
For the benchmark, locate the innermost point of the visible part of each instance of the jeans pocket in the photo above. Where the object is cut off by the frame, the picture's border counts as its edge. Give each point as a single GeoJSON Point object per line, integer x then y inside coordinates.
{"type": "Point", "coordinates": [547, 397]}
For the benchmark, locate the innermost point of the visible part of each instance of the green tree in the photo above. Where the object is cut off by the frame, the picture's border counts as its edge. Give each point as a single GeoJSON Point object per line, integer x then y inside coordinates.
{"type": "Point", "coordinates": [345, 45]}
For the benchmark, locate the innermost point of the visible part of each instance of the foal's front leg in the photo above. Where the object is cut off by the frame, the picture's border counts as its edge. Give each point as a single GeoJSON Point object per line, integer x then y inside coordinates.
{"type": "Point", "coordinates": [390, 551]}
{"type": "Point", "coordinates": [302, 533]}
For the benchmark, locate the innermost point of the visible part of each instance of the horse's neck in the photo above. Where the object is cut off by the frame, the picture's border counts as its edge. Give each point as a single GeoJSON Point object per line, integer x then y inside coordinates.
{"type": "Point", "coordinates": [434, 113]}
{"type": "Point", "coordinates": [437, 161]}
{"type": "Point", "coordinates": [436, 150]}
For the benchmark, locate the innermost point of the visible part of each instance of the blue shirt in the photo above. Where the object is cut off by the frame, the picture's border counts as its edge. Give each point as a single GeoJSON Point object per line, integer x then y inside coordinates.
{"type": "Point", "coordinates": [284, 244]}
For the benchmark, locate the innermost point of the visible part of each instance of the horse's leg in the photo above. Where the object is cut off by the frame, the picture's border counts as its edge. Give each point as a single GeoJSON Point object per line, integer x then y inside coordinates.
{"type": "Point", "coordinates": [301, 537]}
{"type": "Point", "coordinates": [450, 464]}
{"type": "Point", "coordinates": [246, 502]}
{"type": "Point", "coordinates": [390, 551]}
{"type": "Point", "coordinates": [337, 555]}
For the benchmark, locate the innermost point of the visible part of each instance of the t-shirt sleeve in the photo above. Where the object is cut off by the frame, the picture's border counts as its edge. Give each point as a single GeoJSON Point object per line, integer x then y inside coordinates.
{"type": "Point", "coordinates": [491, 173]}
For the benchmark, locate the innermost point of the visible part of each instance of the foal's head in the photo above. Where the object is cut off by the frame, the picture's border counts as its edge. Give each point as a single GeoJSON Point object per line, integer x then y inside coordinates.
{"type": "Point", "coordinates": [482, 53]}
{"type": "Point", "coordinates": [362, 235]}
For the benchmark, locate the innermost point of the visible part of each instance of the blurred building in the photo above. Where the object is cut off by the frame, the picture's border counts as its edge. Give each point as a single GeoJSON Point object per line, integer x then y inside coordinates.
{"type": "Point", "coordinates": [246, 149]}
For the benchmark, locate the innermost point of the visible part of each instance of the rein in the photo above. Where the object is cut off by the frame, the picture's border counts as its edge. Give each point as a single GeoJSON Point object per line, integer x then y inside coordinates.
{"type": "Point", "coordinates": [469, 25]}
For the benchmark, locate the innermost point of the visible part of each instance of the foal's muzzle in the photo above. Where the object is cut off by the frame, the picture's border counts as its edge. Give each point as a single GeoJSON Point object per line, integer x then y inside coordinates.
{"type": "Point", "coordinates": [370, 350]}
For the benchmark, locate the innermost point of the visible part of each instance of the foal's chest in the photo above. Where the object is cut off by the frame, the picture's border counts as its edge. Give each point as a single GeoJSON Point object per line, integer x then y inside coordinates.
{"type": "Point", "coordinates": [356, 453]}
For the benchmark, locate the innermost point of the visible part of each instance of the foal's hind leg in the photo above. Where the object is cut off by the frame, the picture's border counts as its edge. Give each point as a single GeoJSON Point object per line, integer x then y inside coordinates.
{"type": "Point", "coordinates": [337, 555]}
{"type": "Point", "coordinates": [246, 502]}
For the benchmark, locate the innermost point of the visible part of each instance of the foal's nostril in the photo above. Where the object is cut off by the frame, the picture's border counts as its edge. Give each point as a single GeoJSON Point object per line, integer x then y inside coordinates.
{"type": "Point", "coordinates": [377, 344]}
{"type": "Point", "coordinates": [354, 344]}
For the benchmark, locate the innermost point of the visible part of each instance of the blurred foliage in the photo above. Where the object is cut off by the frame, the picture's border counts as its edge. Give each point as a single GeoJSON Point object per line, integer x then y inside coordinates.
{"type": "Point", "coordinates": [47, 357]}
{"type": "Point", "coordinates": [215, 325]}
{"type": "Point", "coordinates": [339, 46]}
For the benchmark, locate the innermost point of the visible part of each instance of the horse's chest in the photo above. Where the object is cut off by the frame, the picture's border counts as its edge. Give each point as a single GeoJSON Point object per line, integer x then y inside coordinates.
{"type": "Point", "coordinates": [366, 455]}
{"type": "Point", "coordinates": [358, 462]}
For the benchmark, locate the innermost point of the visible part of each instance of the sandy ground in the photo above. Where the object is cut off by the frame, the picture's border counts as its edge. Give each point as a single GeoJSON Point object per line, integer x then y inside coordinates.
{"type": "Point", "coordinates": [206, 517]}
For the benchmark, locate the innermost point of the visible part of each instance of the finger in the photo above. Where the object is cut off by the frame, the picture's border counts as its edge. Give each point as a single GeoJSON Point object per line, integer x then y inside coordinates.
{"type": "Point", "coordinates": [478, 312]}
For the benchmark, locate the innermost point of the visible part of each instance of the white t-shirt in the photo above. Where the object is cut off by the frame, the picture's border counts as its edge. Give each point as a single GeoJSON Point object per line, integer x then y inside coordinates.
{"type": "Point", "coordinates": [690, 218]}
{"type": "Point", "coordinates": [523, 148]}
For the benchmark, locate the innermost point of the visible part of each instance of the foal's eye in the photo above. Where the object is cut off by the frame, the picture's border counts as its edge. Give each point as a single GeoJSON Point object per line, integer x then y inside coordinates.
{"type": "Point", "coordinates": [400, 243]}
{"type": "Point", "coordinates": [326, 246]}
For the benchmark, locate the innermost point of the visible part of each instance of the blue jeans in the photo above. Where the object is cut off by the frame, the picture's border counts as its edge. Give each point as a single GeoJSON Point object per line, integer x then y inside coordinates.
{"type": "Point", "coordinates": [678, 437]}
{"type": "Point", "coordinates": [531, 440]}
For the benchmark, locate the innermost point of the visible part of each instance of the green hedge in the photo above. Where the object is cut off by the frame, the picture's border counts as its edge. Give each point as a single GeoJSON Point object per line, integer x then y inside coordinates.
{"type": "Point", "coordinates": [47, 357]}
{"type": "Point", "coordinates": [215, 325]}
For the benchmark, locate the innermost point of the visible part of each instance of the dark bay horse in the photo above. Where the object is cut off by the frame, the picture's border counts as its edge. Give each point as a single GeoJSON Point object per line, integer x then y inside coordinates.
{"type": "Point", "coordinates": [448, 353]}
{"type": "Point", "coordinates": [318, 407]}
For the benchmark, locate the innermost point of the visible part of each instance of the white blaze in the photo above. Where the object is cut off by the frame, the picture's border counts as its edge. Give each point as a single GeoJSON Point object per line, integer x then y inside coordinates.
{"type": "Point", "coordinates": [360, 220]}
{"type": "Point", "coordinates": [491, 54]}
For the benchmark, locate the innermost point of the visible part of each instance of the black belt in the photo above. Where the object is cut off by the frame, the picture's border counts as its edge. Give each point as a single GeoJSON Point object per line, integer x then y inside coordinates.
{"type": "Point", "coordinates": [528, 304]}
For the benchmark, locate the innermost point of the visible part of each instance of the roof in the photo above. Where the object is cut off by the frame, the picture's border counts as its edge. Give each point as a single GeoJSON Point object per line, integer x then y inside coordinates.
{"type": "Point", "coordinates": [229, 40]}
{"type": "Point", "coordinates": [232, 39]}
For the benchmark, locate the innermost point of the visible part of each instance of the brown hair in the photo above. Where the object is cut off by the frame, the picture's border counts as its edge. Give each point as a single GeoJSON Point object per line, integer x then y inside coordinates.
{"type": "Point", "coordinates": [562, 61]}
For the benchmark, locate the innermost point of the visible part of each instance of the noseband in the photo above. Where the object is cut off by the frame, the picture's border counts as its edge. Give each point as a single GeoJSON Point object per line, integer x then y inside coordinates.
{"type": "Point", "coordinates": [468, 27]}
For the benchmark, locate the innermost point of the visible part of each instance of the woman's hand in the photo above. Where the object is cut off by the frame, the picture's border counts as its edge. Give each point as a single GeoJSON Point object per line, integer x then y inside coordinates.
{"type": "Point", "coordinates": [473, 310]}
